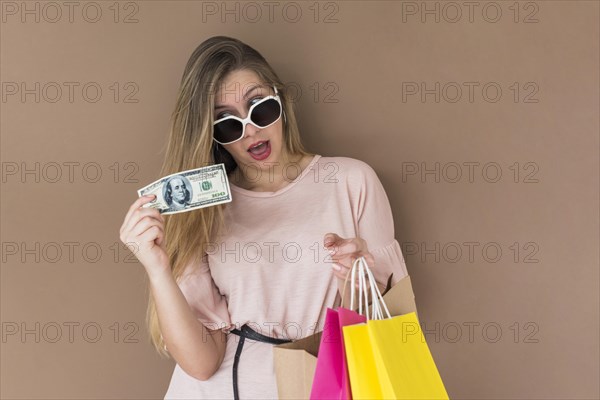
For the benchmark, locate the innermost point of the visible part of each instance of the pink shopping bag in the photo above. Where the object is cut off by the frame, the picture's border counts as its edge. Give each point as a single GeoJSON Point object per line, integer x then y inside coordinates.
{"type": "Point", "coordinates": [331, 380]}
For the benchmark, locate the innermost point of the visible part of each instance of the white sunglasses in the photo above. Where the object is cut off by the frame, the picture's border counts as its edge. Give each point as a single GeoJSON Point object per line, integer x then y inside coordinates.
{"type": "Point", "coordinates": [262, 114]}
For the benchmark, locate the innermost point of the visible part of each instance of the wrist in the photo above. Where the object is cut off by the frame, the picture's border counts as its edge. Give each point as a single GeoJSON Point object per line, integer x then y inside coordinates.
{"type": "Point", "coordinates": [159, 274]}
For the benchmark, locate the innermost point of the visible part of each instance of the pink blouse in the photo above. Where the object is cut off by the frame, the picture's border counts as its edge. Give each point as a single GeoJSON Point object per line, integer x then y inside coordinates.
{"type": "Point", "coordinates": [270, 269]}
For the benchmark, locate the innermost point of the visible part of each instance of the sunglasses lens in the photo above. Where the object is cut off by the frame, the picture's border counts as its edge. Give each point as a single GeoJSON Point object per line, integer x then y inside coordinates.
{"type": "Point", "coordinates": [266, 113]}
{"type": "Point", "coordinates": [228, 130]}
{"type": "Point", "coordinates": [263, 114]}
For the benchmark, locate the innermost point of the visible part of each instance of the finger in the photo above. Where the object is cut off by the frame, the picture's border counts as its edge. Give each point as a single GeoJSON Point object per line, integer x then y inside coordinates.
{"type": "Point", "coordinates": [150, 235]}
{"type": "Point", "coordinates": [160, 239]}
{"type": "Point", "coordinates": [340, 270]}
{"type": "Point", "coordinates": [346, 259]}
{"type": "Point", "coordinates": [340, 267]}
{"type": "Point", "coordinates": [137, 204]}
{"type": "Point", "coordinates": [346, 248]}
{"type": "Point", "coordinates": [369, 259]}
{"type": "Point", "coordinates": [339, 256]}
{"type": "Point", "coordinates": [347, 282]}
{"type": "Point", "coordinates": [140, 230]}
{"type": "Point", "coordinates": [145, 224]}
{"type": "Point", "coordinates": [161, 236]}
{"type": "Point", "coordinates": [139, 214]}
{"type": "Point", "coordinates": [331, 238]}
{"type": "Point", "coordinates": [337, 245]}
{"type": "Point", "coordinates": [344, 272]}
{"type": "Point", "coordinates": [140, 226]}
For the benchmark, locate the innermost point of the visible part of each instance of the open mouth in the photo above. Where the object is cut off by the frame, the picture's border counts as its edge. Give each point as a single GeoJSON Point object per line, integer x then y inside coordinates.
{"type": "Point", "coordinates": [260, 149]}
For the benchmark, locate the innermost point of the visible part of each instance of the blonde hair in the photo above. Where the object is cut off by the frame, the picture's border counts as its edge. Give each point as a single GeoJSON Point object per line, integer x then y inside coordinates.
{"type": "Point", "coordinates": [190, 145]}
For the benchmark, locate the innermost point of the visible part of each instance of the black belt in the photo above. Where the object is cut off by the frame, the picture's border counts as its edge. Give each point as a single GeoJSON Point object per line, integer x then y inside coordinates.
{"type": "Point", "coordinates": [247, 332]}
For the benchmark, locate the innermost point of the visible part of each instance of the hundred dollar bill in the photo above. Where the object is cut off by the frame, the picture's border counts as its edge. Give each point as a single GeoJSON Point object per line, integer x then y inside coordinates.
{"type": "Point", "coordinates": [189, 190]}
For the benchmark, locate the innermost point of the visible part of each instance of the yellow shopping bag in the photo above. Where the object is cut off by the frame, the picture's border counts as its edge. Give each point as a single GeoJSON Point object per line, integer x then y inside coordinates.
{"type": "Point", "coordinates": [388, 358]}
{"type": "Point", "coordinates": [405, 366]}
{"type": "Point", "coordinates": [362, 367]}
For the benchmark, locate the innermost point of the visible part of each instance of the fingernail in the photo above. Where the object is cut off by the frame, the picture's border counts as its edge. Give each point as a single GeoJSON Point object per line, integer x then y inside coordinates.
{"type": "Point", "coordinates": [336, 267]}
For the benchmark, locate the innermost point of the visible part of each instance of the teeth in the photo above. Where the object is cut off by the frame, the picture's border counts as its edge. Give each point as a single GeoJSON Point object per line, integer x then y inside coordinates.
{"type": "Point", "coordinates": [258, 145]}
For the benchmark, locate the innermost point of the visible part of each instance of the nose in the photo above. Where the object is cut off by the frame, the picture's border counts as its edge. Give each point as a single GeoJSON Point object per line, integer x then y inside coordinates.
{"type": "Point", "coordinates": [251, 130]}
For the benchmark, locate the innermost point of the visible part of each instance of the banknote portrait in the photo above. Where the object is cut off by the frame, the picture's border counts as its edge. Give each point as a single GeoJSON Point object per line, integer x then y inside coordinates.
{"type": "Point", "coordinates": [177, 193]}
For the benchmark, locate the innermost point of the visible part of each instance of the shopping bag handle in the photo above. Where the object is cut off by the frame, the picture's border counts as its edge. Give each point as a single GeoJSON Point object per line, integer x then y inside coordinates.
{"type": "Point", "coordinates": [338, 296]}
{"type": "Point", "coordinates": [350, 272]}
{"type": "Point", "coordinates": [364, 275]}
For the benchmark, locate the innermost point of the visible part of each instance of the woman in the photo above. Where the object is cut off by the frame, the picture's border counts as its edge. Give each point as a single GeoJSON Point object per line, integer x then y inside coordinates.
{"type": "Point", "coordinates": [261, 262]}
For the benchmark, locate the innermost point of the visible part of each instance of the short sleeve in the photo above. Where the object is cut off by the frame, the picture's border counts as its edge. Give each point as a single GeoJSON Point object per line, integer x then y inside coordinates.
{"type": "Point", "coordinates": [375, 224]}
{"type": "Point", "coordinates": [203, 296]}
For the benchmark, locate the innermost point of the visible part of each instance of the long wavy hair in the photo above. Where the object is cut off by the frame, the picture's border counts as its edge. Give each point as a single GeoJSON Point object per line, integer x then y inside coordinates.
{"type": "Point", "coordinates": [190, 145]}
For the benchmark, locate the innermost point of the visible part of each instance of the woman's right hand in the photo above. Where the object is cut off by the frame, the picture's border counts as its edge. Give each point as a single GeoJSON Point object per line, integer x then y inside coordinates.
{"type": "Point", "coordinates": [143, 233]}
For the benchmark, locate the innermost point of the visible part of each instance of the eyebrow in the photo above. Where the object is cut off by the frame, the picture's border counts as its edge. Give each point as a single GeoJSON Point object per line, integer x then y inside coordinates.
{"type": "Point", "coordinates": [245, 96]}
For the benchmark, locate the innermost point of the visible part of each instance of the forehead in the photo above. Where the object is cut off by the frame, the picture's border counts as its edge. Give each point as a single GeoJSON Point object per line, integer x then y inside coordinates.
{"type": "Point", "coordinates": [236, 85]}
{"type": "Point", "coordinates": [176, 181]}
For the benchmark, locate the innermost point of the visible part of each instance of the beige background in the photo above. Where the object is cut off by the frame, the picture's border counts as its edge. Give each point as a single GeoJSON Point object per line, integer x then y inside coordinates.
{"type": "Point", "coordinates": [351, 71]}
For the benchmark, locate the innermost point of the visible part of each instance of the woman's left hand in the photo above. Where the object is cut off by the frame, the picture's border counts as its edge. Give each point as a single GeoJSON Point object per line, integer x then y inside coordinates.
{"type": "Point", "coordinates": [345, 251]}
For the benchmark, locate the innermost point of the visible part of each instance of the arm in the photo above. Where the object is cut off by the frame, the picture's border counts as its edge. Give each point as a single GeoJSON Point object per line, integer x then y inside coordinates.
{"type": "Point", "coordinates": [198, 350]}
{"type": "Point", "coordinates": [374, 226]}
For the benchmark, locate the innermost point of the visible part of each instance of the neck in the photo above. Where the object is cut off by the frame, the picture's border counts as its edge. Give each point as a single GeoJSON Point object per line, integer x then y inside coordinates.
{"type": "Point", "coordinates": [273, 177]}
